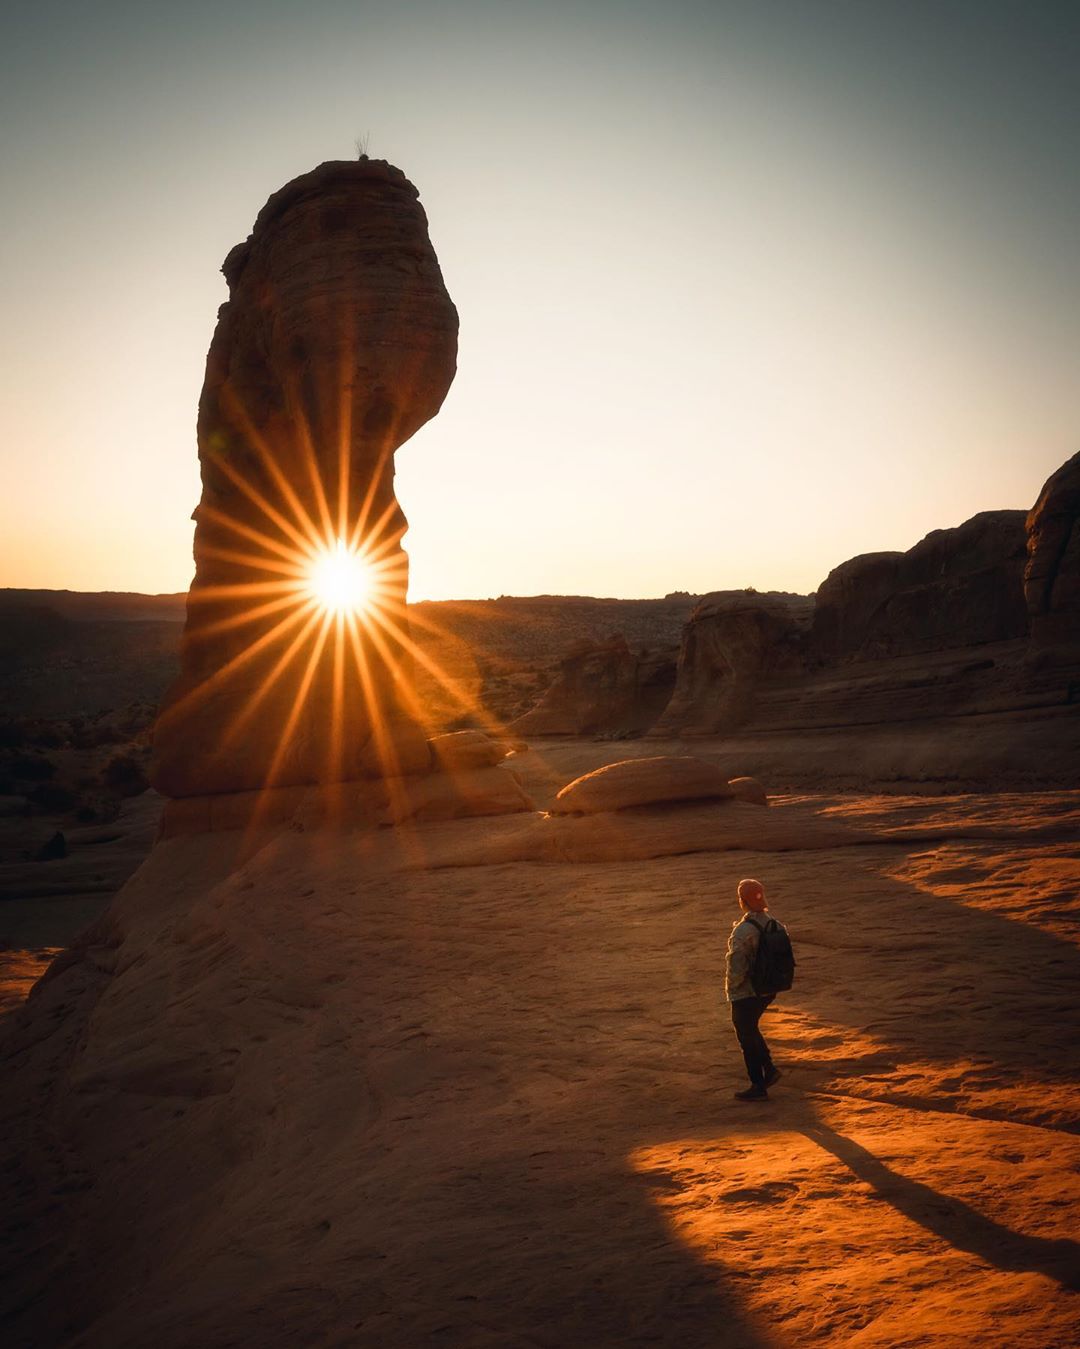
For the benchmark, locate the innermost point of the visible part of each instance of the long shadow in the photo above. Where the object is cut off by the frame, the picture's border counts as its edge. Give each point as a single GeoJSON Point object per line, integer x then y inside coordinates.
{"type": "Point", "coordinates": [952, 1220]}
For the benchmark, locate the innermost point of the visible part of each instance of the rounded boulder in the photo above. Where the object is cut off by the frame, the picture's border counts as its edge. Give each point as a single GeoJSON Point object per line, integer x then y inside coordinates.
{"type": "Point", "coordinates": [642, 782]}
{"type": "Point", "coordinates": [748, 789]}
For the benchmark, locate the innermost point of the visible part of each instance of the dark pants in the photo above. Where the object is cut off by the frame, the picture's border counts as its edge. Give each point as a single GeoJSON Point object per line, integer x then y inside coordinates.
{"type": "Point", "coordinates": [745, 1015]}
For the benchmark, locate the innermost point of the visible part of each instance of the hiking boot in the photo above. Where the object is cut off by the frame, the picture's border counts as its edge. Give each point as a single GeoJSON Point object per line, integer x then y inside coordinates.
{"type": "Point", "coordinates": [754, 1093]}
{"type": "Point", "coordinates": [772, 1076]}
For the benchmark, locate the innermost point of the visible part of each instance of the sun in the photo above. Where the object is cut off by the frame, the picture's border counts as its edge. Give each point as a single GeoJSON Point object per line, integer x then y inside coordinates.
{"type": "Point", "coordinates": [341, 579]}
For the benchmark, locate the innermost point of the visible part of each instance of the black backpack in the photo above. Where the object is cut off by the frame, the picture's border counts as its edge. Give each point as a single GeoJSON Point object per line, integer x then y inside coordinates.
{"type": "Point", "coordinates": [774, 963]}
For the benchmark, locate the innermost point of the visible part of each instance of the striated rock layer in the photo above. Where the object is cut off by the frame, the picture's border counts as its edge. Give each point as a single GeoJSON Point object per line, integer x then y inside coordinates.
{"type": "Point", "coordinates": [603, 688]}
{"type": "Point", "coordinates": [976, 626]}
{"type": "Point", "coordinates": [338, 342]}
{"type": "Point", "coordinates": [957, 587]}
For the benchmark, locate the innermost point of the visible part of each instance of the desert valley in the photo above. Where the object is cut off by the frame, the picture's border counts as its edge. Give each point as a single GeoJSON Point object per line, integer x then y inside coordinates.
{"type": "Point", "coordinates": [540, 688]}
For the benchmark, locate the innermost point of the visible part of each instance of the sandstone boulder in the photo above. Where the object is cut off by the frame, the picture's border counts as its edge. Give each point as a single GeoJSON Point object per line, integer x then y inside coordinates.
{"type": "Point", "coordinates": [642, 782]}
{"type": "Point", "coordinates": [955, 588]}
{"type": "Point", "coordinates": [732, 641]}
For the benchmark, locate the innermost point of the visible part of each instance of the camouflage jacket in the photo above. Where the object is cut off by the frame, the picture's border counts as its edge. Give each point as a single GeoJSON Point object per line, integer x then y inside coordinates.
{"type": "Point", "coordinates": [741, 950]}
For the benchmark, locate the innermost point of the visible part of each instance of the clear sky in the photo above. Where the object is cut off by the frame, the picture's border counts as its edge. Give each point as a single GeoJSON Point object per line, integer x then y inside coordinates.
{"type": "Point", "coordinates": [745, 288]}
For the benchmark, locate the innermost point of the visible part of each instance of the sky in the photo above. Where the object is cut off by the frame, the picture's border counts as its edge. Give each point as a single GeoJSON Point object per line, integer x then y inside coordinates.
{"type": "Point", "coordinates": [745, 289]}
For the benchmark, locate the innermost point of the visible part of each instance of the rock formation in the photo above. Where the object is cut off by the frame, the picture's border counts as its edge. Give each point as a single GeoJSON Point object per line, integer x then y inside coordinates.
{"type": "Point", "coordinates": [732, 642]}
{"type": "Point", "coordinates": [603, 688]}
{"type": "Point", "coordinates": [956, 660]}
{"type": "Point", "coordinates": [956, 588]}
{"type": "Point", "coordinates": [1052, 575]}
{"type": "Point", "coordinates": [642, 782]}
{"type": "Point", "coordinates": [338, 341]}
{"type": "Point", "coordinates": [939, 631]}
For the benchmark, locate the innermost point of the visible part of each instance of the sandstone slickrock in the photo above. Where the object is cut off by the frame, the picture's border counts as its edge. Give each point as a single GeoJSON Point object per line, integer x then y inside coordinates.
{"type": "Point", "coordinates": [642, 782]}
{"type": "Point", "coordinates": [338, 341]}
{"type": "Point", "coordinates": [1052, 575]}
{"type": "Point", "coordinates": [603, 688]}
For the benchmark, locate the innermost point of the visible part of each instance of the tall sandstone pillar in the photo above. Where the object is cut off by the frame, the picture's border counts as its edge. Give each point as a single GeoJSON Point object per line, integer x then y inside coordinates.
{"type": "Point", "coordinates": [337, 343]}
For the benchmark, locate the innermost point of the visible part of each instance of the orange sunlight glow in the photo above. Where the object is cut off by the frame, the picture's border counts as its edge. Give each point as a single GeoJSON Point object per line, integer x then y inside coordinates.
{"type": "Point", "coordinates": [342, 579]}
{"type": "Point", "coordinates": [314, 580]}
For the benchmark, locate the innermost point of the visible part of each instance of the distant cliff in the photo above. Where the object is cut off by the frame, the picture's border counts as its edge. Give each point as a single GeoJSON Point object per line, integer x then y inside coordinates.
{"type": "Point", "coordinates": [957, 660]}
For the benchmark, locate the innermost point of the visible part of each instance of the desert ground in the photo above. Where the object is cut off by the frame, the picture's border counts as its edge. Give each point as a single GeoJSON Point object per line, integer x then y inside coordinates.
{"type": "Point", "coordinates": [397, 1095]}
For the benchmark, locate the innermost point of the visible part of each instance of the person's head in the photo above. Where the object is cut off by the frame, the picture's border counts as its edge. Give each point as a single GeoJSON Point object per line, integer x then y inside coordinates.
{"type": "Point", "coordinates": [751, 896]}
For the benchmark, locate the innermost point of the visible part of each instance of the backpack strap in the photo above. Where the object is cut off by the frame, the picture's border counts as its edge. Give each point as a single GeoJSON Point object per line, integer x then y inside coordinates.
{"type": "Point", "coordinates": [761, 929]}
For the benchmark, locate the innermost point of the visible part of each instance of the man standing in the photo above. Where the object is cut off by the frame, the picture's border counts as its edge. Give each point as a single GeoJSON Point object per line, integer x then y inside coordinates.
{"type": "Point", "coordinates": [746, 1005]}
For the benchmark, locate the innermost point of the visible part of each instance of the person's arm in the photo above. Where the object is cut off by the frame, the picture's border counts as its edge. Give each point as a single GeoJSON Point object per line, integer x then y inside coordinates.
{"type": "Point", "coordinates": [740, 957]}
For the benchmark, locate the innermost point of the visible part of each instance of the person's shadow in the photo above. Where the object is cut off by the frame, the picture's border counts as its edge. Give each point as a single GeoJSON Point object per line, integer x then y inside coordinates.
{"type": "Point", "coordinates": [955, 1222]}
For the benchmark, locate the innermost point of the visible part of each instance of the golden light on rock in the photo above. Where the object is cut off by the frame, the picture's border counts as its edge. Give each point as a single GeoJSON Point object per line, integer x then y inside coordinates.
{"type": "Point", "coordinates": [341, 579]}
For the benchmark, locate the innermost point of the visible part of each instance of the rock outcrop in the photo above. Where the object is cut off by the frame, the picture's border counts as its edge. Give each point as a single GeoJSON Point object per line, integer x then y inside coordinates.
{"type": "Point", "coordinates": [603, 688]}
{"type": "Point", "coordinates": [1052, 575]}
{"type": "Point", "coordinates": [642, 782]}
{"type": "Point", "coordinates": [337, 343]}
{"type": "Point", "coordinates": [890, 638]}
{"type": "Point", "coordinates": [956, 588]}
{"type": "Point", "coordinates": [733, 641]}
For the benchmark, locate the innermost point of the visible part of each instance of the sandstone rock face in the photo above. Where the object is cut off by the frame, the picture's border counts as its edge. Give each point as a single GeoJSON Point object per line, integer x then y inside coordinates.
{"type": "Point", "coordinates": [888, 637]}
{"type": "Point", "coordinates": [957, 587]}
{"type": "Point", "coordinates": [337, 343]}
{"type": "Point", "coordinates": [642, 782]}
{"type": "Point", "coordinates": [1052, 575]}
{"type": "Point", "coordinates": [603, 688]}
{"type": "Point", "coordinates": [734, 639]}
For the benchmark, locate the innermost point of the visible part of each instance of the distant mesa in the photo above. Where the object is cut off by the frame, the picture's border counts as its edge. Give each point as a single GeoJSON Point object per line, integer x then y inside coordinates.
{"type": "Point", "coordinates": [750, 790]}
{"type": "Point", "coordinates": [337, 343]}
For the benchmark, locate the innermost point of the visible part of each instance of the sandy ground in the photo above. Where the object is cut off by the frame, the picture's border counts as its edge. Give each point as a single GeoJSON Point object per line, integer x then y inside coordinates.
{"type": "Point", "coordinates": [321, 1096]}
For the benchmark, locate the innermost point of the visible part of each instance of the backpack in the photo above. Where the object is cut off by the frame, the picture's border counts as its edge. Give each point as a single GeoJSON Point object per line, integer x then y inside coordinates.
{"type": "Point", "coordinates": [774, 962]}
